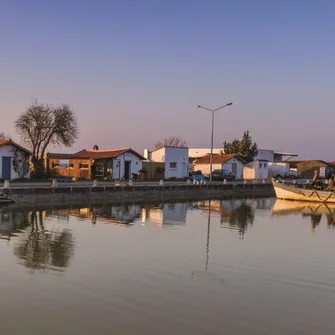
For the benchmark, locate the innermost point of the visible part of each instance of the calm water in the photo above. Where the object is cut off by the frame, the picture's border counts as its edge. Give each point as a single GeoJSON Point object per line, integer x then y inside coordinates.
{"type": "Point", "coordinates": [256, 267]}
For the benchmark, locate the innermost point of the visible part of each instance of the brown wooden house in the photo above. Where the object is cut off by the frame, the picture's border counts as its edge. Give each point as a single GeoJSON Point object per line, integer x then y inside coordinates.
{"type": "Point", "coordinates": [307, 168]}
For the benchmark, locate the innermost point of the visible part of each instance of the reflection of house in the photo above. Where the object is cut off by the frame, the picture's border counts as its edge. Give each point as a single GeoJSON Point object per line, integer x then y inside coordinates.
{"type": "Point", "coordinates": [12, 223]}
{"type": "Point", "coordinates": [110, 214]}
{"type": "Point", "coordinates": [167, 214]}
{"type": "Point", "coordinates": [175, 159]}
{"type": "Point", "coordinates": [113, 163]}
{"type": "Point", "coordinates": [8, 164]}
{"type": "Point", "coordinates": [230, 162]}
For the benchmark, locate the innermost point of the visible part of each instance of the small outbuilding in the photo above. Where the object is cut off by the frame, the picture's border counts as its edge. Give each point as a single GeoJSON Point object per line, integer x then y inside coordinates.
{"type": "Point", "coordinates": [258, 169]}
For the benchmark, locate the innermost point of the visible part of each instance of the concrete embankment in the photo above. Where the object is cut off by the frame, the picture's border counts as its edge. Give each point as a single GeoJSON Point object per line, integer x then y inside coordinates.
{"type": "Point", "coordinates": [76, 195]}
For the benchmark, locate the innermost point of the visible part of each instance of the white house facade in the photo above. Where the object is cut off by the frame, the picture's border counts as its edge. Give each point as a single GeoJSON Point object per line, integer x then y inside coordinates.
{"type": "Point", "coordinates": [256, 170]}
{"type": "Point", "coordinates": [14, 161]}
{"type": "Point", "coordinates": [175, 159]}
{"type": "Point", "coordinates": [125, 165]}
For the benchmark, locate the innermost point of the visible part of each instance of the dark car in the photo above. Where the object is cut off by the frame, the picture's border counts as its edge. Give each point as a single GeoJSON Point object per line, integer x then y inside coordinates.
{"type": "Point", "coordinates": [222, 175]}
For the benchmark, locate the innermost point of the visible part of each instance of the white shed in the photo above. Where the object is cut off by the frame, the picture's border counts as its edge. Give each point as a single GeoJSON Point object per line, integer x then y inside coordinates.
{"type": "Point", "coordinates": [175, 159]}
{"type": "Point", "coordinates": [256, 170]}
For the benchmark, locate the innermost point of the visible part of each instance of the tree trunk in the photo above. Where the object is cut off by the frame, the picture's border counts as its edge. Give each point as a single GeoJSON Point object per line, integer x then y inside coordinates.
{"type": "Point", "coordinates": [38, 167]}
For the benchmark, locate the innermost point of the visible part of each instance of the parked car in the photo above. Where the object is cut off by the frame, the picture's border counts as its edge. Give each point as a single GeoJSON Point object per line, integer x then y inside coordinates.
{"type": "Point", "coordinates": [197, 176]}
{"type": "Point", "coordinates": [222, 175]}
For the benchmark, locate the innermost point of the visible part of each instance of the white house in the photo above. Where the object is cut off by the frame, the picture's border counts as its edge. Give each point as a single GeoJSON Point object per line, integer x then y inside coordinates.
{"type": "Point", "coordinates": [175, 159]}
{"type": "Point", "coordinates": [119, 163]}
{"type": "Point", "coordinates": [14, 160]}
{"type": "Point", "coordinates": [230, 162]}
{"type": "Point", "coordinates": [258, 169]}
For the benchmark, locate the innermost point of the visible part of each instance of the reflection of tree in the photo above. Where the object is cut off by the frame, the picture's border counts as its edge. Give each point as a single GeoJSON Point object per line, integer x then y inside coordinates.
{"type": "Point", "coordinates": [330, 220]}
{"type": "Point", "coordinates": [40, 249]}
{"type": "Point", "coordinates": [315, 219]}
{"type": "Point", "coordinates": [240, 217]}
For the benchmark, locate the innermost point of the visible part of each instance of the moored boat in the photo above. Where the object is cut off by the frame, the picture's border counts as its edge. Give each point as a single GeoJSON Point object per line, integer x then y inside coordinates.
{"type": "Point", "coordinates": [287, 192]}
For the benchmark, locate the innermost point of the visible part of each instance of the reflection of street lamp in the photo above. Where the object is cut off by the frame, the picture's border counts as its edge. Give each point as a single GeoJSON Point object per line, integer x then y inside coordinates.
{"type": "Point", "coordinates": [208, 231]}
{"type": "Point", "coordinates": [212, 135]}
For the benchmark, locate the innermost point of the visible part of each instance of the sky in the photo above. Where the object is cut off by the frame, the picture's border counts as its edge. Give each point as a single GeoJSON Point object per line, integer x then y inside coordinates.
{"type": "Point", "coordinates": [135, 71]}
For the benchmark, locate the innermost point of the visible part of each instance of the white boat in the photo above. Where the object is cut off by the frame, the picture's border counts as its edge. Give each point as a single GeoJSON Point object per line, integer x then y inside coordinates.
{"type": "Point", "coordinates": [4, 199]}
{"type": "Point", "coordinates": [287, 192]}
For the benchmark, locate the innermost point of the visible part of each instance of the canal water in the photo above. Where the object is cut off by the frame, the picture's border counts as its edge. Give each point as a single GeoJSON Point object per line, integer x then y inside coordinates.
{"type": "Point", "coordinates": [255, 266]}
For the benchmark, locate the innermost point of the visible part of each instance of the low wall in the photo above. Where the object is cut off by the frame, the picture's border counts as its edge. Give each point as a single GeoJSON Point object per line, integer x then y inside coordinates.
{"type": "Point", "coordinates": [62, 195]}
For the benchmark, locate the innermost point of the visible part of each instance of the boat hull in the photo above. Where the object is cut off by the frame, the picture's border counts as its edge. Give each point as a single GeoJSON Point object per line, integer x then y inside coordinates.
{"type": "Point", "coordinates": [286, 192]}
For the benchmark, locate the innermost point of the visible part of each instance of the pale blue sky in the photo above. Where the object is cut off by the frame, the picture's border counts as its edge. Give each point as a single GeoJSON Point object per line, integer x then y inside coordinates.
{"type": "Point", "coordinates": [134, 71]}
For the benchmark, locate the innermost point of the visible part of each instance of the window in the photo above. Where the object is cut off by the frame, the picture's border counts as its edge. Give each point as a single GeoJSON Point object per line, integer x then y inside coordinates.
{"type": "Point", "coordinates": [260, 165]}
{"type": "Point", "coordinates": [83, 166]}
{"type": "Point", "coordinates": [264, 164]}
{"type": "Point", "coordinates": [173, 165]}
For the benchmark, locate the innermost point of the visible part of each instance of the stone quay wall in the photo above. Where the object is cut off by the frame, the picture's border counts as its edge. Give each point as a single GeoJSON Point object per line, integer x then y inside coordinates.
{"type": "Point", "coordinates": [100, 193]}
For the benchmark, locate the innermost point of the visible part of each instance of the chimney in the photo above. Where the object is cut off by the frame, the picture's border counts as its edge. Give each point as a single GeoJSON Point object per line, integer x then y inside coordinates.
{"type": "Point", "coordinates": [146, 153]}
{"type": "Point", "coordinates": [95, 147]}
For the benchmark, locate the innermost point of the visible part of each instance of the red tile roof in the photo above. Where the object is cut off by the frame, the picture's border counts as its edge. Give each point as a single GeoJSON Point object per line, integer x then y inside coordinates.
{"type": "Point", "coordinates": [95, 154]}
{"type": "Point", "coordinates": [9, 141]}
{"type": "Point", "coordinates": [217, 159]}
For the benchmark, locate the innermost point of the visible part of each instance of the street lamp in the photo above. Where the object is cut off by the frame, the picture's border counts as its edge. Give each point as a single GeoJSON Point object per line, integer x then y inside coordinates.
{"type": "Point", "coordinates": [212, 135]}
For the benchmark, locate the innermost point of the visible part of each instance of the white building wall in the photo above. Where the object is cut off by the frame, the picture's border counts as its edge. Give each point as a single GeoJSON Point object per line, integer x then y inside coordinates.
{"type": "Point", "coordinates": [169, 155]}
{"type": "Point", "coordinates": [118, 165]}
{"type": "Point", "coordinates": [157, 155]}
{"type": "Point", "coordinates": [178, 156]}
{"type": "Point", "coordinates": [199, 152]}
{"type": "Point", "coordinates": [7, 151]}
{"type": "Point", "coordinates": [256, 170]}
{"type": "Point", "coordinates": [264, 154]}
{"type": "Point", "coordinates": [239, 167]}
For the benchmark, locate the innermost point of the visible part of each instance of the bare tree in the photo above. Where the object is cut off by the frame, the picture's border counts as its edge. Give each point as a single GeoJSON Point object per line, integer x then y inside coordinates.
{"type": "Point", "coordinates": [43, 125]}
{"type": "Point", "coordinates": [2, 136]}
{"type": "Point", "coordinates": [172, 141]}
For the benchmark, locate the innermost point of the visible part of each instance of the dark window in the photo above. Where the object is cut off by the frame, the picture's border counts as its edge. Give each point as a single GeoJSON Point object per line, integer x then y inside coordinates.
{"type": "Point", "coordinates": [54, 165]}
{"type": "Point", "coordinates": [173, 165]}
{"type": "Point", "coordinates": [83, 166]}
{"type": "Point", "coordinates": [260, 165]}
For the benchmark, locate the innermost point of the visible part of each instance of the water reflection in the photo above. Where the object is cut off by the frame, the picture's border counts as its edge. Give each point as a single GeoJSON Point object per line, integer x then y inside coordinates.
{"type": "Point", "coordinates": [12, 223]}
{"type": "Point", "coordinates": [41, 249]}
{"type": "Point", "coordinates": [234, 214]}
{"type": "Point", "coordinates": [161, 215]}
{"type": "Point", "coordinates": [309, 210]}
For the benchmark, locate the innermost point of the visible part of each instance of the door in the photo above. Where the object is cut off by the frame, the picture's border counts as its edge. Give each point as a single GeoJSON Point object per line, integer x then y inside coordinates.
{"type": "Point", "coordinates": [234, 169]}
{"type": "Point", "coordinates": [6, 168]}
{"type": "Point", "coordinates": [126, 170]}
